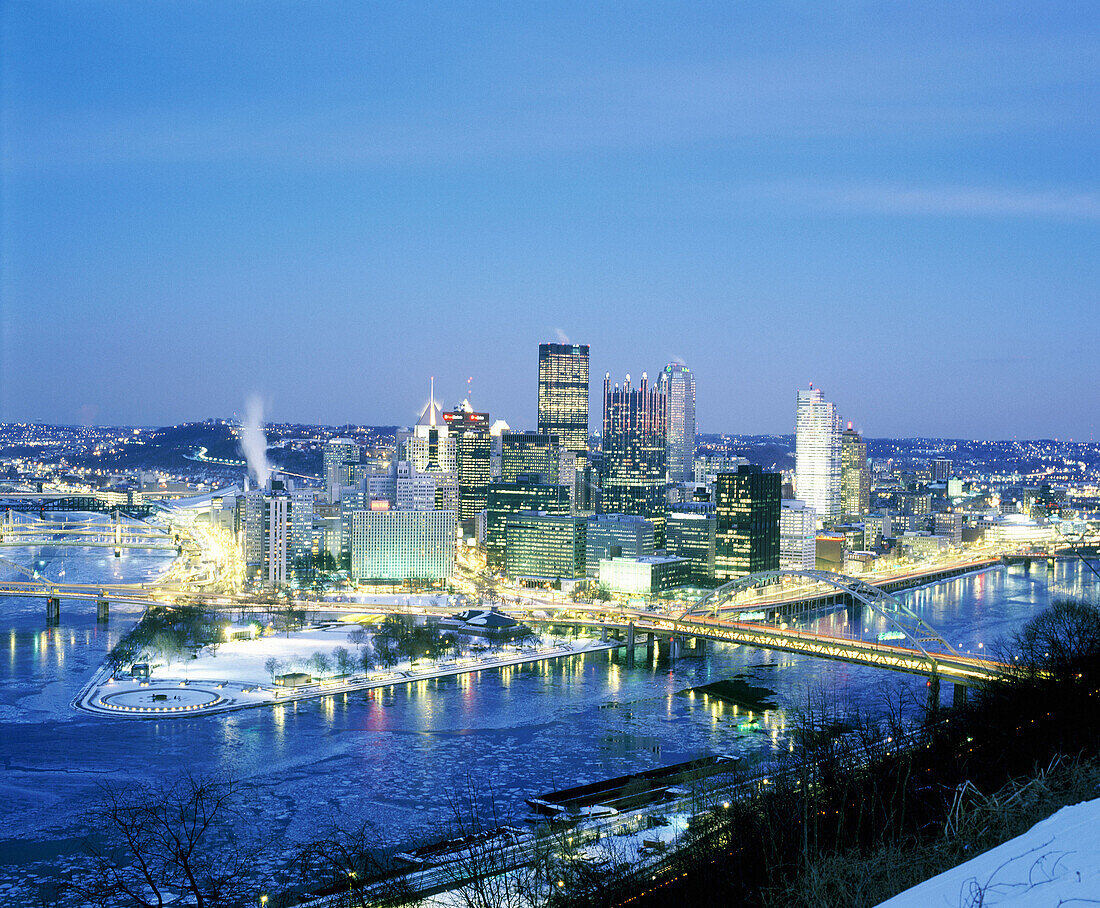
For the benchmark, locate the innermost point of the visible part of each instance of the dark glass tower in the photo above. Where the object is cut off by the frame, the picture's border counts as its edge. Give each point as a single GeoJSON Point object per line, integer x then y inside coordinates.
{"type": "Point", "coordinates": [563, 394]}
{"type": "Point", "coordinates": [635, 452]}
{"type": "Point", "coordinates": [747, 504]}
{"type": "Point", "coordinates": [472, 458]}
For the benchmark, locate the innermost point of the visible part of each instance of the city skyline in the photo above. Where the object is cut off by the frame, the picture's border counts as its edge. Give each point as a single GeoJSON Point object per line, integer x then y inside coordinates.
{"type": "Point", "coordinates": [324, 204]}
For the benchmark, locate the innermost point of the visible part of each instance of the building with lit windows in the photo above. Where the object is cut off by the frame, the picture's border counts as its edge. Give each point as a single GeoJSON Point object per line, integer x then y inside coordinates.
{"type": "Point", "coordinates": [797, 535]}
{"type": "Point", "coordinates": [677, 383]}
{"type": "Point", "coordinates": [472, 458]}
{"type": "Point", "coordinates": [278, 531]}
{"type": "Point", "coordinates": [401, 546]}
{"type": "Point", "coordinates": [530, 453]}
{"type": "Point", "coordinates": [855, 475]}
{"type": "Point", "coordinates": [817, 454]}
{"type": "Point", "coordinates": [563, 394]}
{"type": "Point", "coordinates": [526, 493]}
{"type": "Point", "coordinates": [338, 458]}
{"type": "Point", "coordinates": [692, 535]}
{"type": "Point", "coordinates": [644, 576]}
{"type": "Point", "coordinates": [635, 453]}
{"type": "Point", "coordinates": [615, 536]}
{"type": "Point", "coordinates": [747, 536]}
{"type": "Point", "coordinates": [544, 547]}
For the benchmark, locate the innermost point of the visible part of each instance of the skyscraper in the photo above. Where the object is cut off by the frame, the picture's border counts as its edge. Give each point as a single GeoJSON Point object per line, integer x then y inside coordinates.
{"type": "Point", "coordinates": [635, 450]}
{"type": "Point", "coordinates": [339, 456]}
{"type": "Point", "coordinates": [817, 454]}
{"type": "Point", "coordinates": [678, 385]}
{"type": "Point", "coordinates": [747, 537]}
{"type": "Point", "coordinates": [855, 477]}
{"type": "Point", "coordinates": [471, 457]}
{"type": "Point", "coordinates": [563, 394]}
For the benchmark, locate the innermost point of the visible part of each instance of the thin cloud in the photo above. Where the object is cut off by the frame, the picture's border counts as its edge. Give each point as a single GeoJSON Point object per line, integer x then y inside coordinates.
{"type": "Point", "coordinates": [949, 201]}
{"type": "Point", "coordinates": [563, 338]}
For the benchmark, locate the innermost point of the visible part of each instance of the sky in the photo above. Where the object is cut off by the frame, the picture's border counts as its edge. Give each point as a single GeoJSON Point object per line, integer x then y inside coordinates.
{"type": "Point", "coordinates": [326, 203]}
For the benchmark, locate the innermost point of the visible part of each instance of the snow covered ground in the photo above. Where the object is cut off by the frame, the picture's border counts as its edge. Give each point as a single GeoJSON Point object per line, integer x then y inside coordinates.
{"type": "Point", "coordinates": [1056, 862]}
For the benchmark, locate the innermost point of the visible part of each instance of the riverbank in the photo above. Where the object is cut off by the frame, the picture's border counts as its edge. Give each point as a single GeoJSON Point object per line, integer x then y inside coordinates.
{"type": "Point", "coordinates": [228, 682]}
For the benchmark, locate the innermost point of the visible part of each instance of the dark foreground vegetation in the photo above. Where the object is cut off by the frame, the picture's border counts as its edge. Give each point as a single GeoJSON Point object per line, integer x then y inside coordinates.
{"type": "Point", "coordinates": [856, 812]}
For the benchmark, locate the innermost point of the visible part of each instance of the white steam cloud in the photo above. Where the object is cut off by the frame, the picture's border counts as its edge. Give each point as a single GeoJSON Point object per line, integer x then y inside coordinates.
{"type": "Point", "coordinates": [253, 440]}
{"type": "Point", "coordinates": [563, 338]}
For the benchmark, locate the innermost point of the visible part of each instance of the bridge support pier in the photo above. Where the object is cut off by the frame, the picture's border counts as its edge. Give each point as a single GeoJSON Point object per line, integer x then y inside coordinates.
{"type": "Point", "coordinates": [53, 610]}
{"type": "Point", "coordinates": [630, 645]}
{"type": "Point", "coordinates": [650, 648]}
{"type": "Point", "coordinates": [934, 694]}
{"type": "Point", "coordinates": [102, 610]}
{"type": "Point", "coordinates": [958, 695]}
{"type": "Point", "coordinates": [699, 646]}
{"type": "Point", "coordinates": [603, 633]}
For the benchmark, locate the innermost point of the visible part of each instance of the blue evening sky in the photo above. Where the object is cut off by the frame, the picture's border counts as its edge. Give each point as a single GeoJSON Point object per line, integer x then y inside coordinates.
{"type": "Point", "coordinates": [326, 203]}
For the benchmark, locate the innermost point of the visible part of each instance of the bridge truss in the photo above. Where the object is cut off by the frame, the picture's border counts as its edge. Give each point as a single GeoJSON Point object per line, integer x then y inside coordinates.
{"type": "Point", "coordinates": [902, 620]}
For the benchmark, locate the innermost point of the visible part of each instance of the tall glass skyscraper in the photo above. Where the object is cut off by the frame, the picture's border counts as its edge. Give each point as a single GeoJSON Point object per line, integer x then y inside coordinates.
{"type": "Point", "coordinates": [563, 394]}
{"type": "Point", "coordinates": [817, 454]}
{"type": "Point", "coordinates": [855, 477]}
{"type": "Point", "coordinates": [635, 451]}
{"type": "Point", "coordinates": [678, 385]}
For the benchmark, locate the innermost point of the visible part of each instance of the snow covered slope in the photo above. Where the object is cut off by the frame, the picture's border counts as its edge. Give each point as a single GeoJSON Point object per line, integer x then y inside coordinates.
{"type": "Point", "coordinates": [1056, 862]}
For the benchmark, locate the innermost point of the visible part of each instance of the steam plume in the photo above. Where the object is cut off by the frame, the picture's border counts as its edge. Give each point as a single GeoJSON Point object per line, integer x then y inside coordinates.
{"type": "Point", "coordinates": [253, 440]}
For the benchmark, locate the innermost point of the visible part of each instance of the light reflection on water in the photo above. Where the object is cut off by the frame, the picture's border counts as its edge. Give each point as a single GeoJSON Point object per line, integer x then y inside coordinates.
{"type": "Point", "coordinates": [394, 755]}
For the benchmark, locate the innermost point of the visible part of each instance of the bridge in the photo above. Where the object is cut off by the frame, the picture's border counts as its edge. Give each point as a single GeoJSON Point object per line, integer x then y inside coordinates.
{"type": "Point", "coordinates": [919, 648]}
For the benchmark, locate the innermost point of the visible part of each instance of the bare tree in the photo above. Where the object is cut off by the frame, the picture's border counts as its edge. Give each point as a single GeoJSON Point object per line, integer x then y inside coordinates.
{"type": "Point", "coordinates": [271, 666]}
{"type": "Point", "coordinates": [350, 864]}
{"type": "Point", "coordinates": [153, 847]}
{"type": "Point", "coordinates": [343, 660]}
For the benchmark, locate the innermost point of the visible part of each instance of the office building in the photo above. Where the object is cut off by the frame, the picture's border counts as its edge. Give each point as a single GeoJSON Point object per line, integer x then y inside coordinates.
{"type": "Point", "coordinates": [797, 535]}
{"type": "Point", "coordinates": [544, 547]}
{"type": "Point", "coordinates": [635, 451]}
{"type": "Point", "coordinates": [614, 536]}
{"type": "Point", "coordinates": [472, 458]}
{"type": "Point", "coordinates": [949, 526]}
{"type": "Point", "coordinates": [677, 383]}
{"type": "Point", "coordinates": [563, 394]}
{"type": "Point", "coordinates": [817, 454]}
{"type": "Point", "coordinates": [430, 446]}
{"type": "Point", "coordinates": [530, 453]}
{"type": "Point", "coordinates": [339, 457]}
{"type": "Point", "coordinates": [644, 576]}
{"type": "Point", "coordinates": [692, 535]}
{"type": "Point", "coordinates": [526, 493]}
{"type": "Point", "coordinates": [940, 469]}
{"type": "Point", "coordinates": [855, 475]}
{"type": "Point", "coordinates": [278, 531]}
{"type": "Point", "coordinates": [747, 506]}
{"type": "Point", "coordinates": [402, 546]}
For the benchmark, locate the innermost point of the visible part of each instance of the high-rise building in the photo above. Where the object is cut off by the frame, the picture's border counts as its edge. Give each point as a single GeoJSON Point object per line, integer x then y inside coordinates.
{"type": "Point", "coordinates": [545, 547]}
{"type": "Point", "coordinates": [693, 535]}
{"type": "Point", "coordinates": [472, 458]}
{"type": "Point", "coordinates": [431, 446]}
{"type": "Point", "coordinates": [339, 456]}
{"type": "Point", "coordinates": [941, 469]}
{"type": "Point", "coordinates": [278, 531]}
{"type": "Point", "coordinates": [400, 546]}
{"type": "Point", "coordinates": [634, 444]}
{"type": "Point", "coordinates": [855, 476]}
{"type": "Point", "coordinates": [563, 394]}
{"type": "Point", "coordinates": [531, 452]}
{"type": "Point", "coordinates": [526, 493]}
{"type": "Point", "coordinates": [817, 454]}
{"type": "Point", "coordinates": [797, 535]}
{"type": "Point", "coordinates": [615, 536]}
{"type": "Point", "coordinates": [677, 383]}
{"type": "Point", "coordinates": [747, 536]}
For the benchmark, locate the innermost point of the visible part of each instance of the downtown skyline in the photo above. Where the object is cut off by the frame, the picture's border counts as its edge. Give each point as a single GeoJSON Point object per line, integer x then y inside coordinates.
{"type": "Point", "coordinates": [325, 206]}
